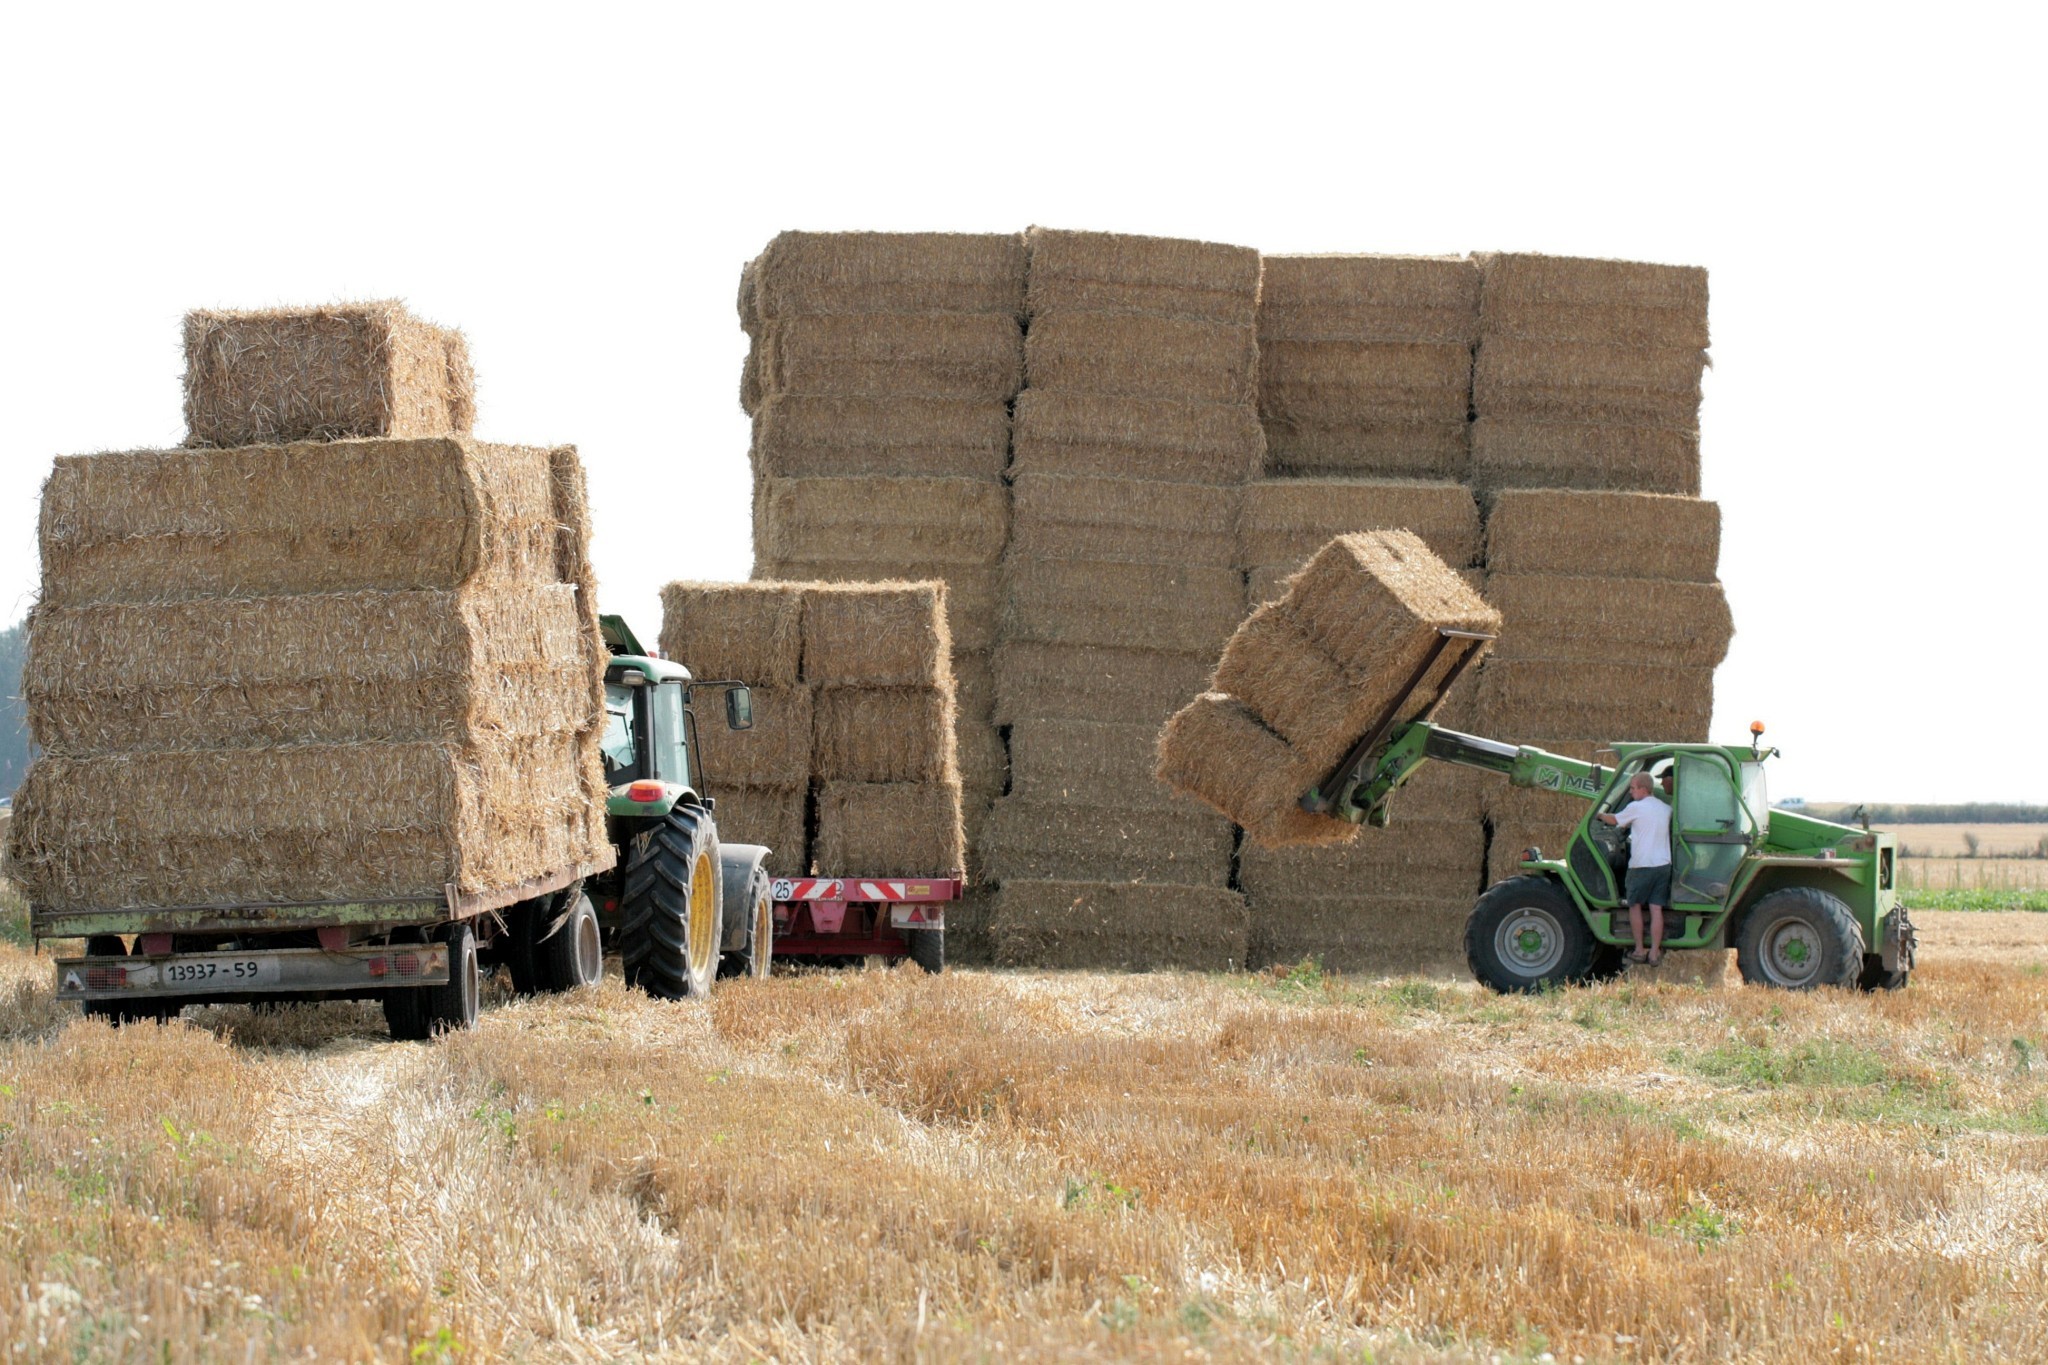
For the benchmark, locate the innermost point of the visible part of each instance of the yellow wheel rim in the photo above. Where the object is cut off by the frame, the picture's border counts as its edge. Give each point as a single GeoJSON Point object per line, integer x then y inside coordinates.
{"type": "Point", "coordinates": [764, 934]}
{"type": "Point", "coordinates": [703, 929]}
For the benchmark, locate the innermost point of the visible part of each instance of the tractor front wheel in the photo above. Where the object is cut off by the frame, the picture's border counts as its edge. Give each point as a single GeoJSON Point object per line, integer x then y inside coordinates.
{"type": "Point", "coordinates": [1525, 934]}
{"type": "Point", "coordinates": [1799, 938]}
{"type": "Point", "coordinates": [670, 909]}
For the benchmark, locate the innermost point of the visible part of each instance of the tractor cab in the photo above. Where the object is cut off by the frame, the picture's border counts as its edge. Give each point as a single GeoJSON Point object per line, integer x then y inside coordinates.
{"type": "Point", "coordinates": [1720, 813]}
{"type": "Point", "coordinates": [650, 728]}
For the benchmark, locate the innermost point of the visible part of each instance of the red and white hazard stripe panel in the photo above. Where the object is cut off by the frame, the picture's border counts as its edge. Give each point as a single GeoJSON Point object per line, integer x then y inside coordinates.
{"type": "Point", "coordinates": [864, 889]}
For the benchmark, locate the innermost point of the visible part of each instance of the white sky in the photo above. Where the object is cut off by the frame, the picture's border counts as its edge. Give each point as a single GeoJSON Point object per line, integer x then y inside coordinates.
{"type": "Point", "coordinates": [578, 192]}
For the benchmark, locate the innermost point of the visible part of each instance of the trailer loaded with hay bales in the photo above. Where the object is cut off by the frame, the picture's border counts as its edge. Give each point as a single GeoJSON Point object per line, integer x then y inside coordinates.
{"type": "Point", "coordinates": [327, 711]}
{"type": "Point", "coordinates": [1319, 715]}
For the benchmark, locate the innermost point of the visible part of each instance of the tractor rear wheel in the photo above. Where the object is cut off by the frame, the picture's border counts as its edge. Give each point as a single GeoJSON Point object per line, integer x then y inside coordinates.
{"type": "Point", "coordinates": [1525, 934]}
{"type": "Point", "coordinates": [1799, 938]}
{"type": "Point", "coordinates": [670, 908]}
{"type": "Point", "coordinates": [749, 891]}
{"type": "Point", "coordinates": [574, 956]}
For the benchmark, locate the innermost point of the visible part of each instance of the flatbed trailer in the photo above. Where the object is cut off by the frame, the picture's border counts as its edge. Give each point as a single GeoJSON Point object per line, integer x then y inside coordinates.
{"type": "Point", "coordinates": [823, 918]}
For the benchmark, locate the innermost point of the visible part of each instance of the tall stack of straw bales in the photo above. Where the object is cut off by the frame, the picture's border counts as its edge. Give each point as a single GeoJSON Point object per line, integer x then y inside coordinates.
{"type": "Point", "coordinates": [1186, 434]}
{"type": "Point", "coordinates": [1135, 433]}
{"type": "Point", "coordinates": [880, 379]}
{"type": "Point", "coordinates": [363, 664]}
{"type": "Point", "coordinates": [850, 766]}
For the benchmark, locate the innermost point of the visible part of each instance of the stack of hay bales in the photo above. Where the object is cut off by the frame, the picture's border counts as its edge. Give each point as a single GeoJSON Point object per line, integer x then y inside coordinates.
{"type": "Point", "coordinates": [1299, 682]}
{"type": "Point", "coordinates": [1365, 364]}
{"type": "Point", "coordinates": [1135, 432]}
{"type": "Point", "coordinates": [880, 378]}
{"type": "Point", "coordinates": [850, 767]}
{"type": "Point", "coordinates": [361, 667]}
{"type": "Point", "coordinates": [1614, 621]}
{"type": "Point", "coordinates": [1588, 374]}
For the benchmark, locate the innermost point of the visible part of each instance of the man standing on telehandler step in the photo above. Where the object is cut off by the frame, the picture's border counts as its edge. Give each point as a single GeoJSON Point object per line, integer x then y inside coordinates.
{"type": "Point", "coordinates": [1648, 822]}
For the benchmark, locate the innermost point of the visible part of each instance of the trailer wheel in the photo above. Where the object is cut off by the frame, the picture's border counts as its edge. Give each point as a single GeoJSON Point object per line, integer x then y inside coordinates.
{"type": "Point", "coordinates": [748, 890]}
{"type": "Point", "coordinates": [415, 1013]}
{"type": "Point", "coordinates": [116, 1012]}
{"type": "Point", "coordinates": [928, 949]}
{"type": "Point", "coordinates": [517, 949]}
{"type": "Point", "coordinates": [1526, 934]}
{"type": "Point", "coordinates": [575, 955]}
{"type": "Point", "coordinates": [669, 910]}
{"type": "Point", "coordinates": [1798, 938]}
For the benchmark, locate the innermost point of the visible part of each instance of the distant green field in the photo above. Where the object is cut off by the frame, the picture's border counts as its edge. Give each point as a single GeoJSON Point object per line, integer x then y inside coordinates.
{"type": "Point", "coordinates": [1977, 898]}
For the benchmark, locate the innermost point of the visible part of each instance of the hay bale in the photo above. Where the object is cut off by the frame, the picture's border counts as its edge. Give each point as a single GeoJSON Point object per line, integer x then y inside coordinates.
{"type": "Point", "coordinates": [1134, 356]}
{"type": "Point", "coordinates": [1573, 381]}
{"type": "Point", "coordinates": [324, 669]}
{"type": "Point", "coordinates": [309, 822]}
{"type": "Point", "coordinates": [803, 436]}
{"type": "Point", "coordinates": [1055, 516]}
{"type": "Point", "coordinates": [804, 273]}
{"type": "Point", "coordinates": [750, 631]}
{"type": "Point", "coordinates": [1573, 531]}
{"type": "Point", "coordinates": [1525, 701]}
{"type": "Point", "coordinates": [1087, 761]}
{"type": "Point", "coordinates": [940, 521]}
{"type": "Point", "coordinates": [1369, 298]}
{"type": "Point", "coordinates": [776, 752]}
{"type": "Point", "coordinates": [1440, 861]}
{"type": "Point", "coordinates": [1379, 937]}
{"type": "Point", "coordinates": [1659, 623]}
{"type": "Point", "coordinates": [271, 376]}
{"type": "Point", "coordinates": [885, 634]}
{"type": "Point", "coordinates": [892, 829]}
{"type": "Point", "coordinates": [1369, 446]}
{"type": "Point", "coordinates": [884, 734]}
{"type": "Point", "coordinates": [1118, 926]}
{"type": "Point", "coordinates": [881, 355]}
{"type": "Point", "coordinates": [1029, 840]}
{"type": "Point", "coordinates": [1558, 297]}
{"type": "Point", "coordinates": [1122, 273]}
{"type": "Point", "coordinates": [1085, 682]}
{"type": "Point", "coordinates": [973, 592]}
{"type": "Point", "coordinates": [1217, 752]}
{"type": "Point", "coordinates": [770, 816]}
{"type": "Point", "coordinates": [1707, 967]}
{"type": "Point", "coordinates": [1331, 382]}
{"type": "Point", "coordinates": [1098, 434]}
{"type": "Point", "coordinates": [984, 763]}
{"type": "Point", "coordinates": [260, 521]}
{"type": "Point", "coordinates": [1517, 452]}
{"type": "Point", "coordinates": [1284, 521]}
{"type": "Point", "coordinates": [974, 688]}
{"type": "Point", "coordinates": [1510, 837]}
{"type": "Point", "coordinates": [1169, 607]}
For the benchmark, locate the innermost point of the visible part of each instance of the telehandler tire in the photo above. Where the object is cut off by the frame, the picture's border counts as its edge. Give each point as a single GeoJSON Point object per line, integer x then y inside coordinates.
{"type": "Point", "coordinates": [671, 906]}
{"type": "Point", "coordinates": [1798, 938]}
{"type": "Point", "coordinates": [1526, 934]}
{"type": "Point", "coordinates": [1875, 978]}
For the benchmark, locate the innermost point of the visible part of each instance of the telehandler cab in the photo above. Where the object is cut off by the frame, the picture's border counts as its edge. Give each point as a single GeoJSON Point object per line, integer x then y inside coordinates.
{"type": "Point", "coordinates": [1803, 902]}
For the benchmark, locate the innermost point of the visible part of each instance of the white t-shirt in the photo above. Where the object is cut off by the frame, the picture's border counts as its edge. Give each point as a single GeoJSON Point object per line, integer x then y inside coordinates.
{"type": "Point", "coordinates": [1648, 823]}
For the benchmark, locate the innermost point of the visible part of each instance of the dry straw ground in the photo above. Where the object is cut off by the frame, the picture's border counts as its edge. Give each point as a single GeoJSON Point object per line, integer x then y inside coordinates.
{"type": "Point", "coordinates": [874, 1164]}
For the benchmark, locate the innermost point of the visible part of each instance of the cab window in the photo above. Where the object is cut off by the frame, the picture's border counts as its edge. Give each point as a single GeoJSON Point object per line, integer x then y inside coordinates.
{"type": "Point", "coordinates": [671, 748]}
{"type": "Point", "coordinates": [619, 755]}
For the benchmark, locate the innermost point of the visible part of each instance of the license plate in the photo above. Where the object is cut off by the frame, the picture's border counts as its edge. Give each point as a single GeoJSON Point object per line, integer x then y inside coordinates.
{"type": "Point", "coordinates": [257, 969]}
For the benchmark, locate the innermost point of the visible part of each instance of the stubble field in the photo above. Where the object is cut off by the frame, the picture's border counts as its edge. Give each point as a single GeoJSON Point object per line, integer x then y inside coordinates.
{"type": "Point", "coordinates": [1009, 1166]}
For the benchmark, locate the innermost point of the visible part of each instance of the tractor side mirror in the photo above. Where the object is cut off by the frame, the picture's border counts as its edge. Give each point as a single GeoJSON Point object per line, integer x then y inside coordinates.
{"type": "Point", "coordinates": [739, 708]}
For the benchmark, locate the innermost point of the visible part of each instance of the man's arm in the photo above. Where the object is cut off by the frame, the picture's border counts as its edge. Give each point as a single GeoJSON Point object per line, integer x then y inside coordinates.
{"type": "Point", "coordinates": [1626, 817]}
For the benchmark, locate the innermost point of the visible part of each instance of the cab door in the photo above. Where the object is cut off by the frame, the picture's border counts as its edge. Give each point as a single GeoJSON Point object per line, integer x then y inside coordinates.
{"type": "Point", "coordinates": [1712, 830]}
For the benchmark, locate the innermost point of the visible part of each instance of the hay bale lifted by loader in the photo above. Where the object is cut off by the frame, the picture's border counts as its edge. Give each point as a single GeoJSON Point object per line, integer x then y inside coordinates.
{"type": "Point", "coordinates": [1320, 712]}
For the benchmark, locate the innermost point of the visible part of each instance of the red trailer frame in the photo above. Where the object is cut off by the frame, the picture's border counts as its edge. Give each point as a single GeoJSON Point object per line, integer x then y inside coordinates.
{"type": "Point", "coordinates": [858, 916]}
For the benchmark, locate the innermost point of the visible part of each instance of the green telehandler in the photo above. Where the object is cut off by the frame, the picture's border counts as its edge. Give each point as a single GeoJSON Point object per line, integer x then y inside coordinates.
{"type": "Point", "coordinates": [1804, 902]}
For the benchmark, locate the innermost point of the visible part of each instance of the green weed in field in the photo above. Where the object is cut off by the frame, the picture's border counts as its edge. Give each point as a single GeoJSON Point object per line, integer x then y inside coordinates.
{"type": "Point", "coordinates": [1977, 898]}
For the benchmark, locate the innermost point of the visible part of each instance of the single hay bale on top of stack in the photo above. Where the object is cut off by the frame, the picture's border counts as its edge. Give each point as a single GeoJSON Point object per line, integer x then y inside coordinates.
{"type": "Point", "coordinates": [1613, 622]}
{"type": "Point", "coordinates": [850, 766]}
{"type": "Point", "coordinates": [1588, 374]}
{"type": "Point", "coordinates": [271, 376]}
{"type": "Point", "coordinates": [1365, 364]}
{"type": "Point", "coordinates": [1135, 433]}
{"type": "Point", "coordinates": [361, 669]}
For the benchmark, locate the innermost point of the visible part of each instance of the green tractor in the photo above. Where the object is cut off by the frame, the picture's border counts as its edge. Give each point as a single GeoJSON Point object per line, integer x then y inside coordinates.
{"type": "Point", "coordinates": [1804, 902]}
{"type": "Point", "coordinates": [679, 907]}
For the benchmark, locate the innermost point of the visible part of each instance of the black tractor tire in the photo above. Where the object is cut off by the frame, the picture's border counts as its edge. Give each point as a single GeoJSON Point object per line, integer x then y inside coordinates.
{"type": "Point", "coordinates": [416, 1013]}
{"type": "Point", "coordinates": [516, 947]}
{"type": "Point", "coordinates": [748, 892]}
{"type": "Point", "coordinates": [1799, 938]}
{"type": "Point", "coordinates": [1526, 934]}
{"type": "Point", "coordinates": [928, 949]}
{"type": "Point", "coordinates": [671, 907]}
{"type": "Point", "coordinates": [1609, 961]}
{"type": "Point", "coordinates": [574, 955]}
{"type": "Point", "coordinates": [1875, 978]}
